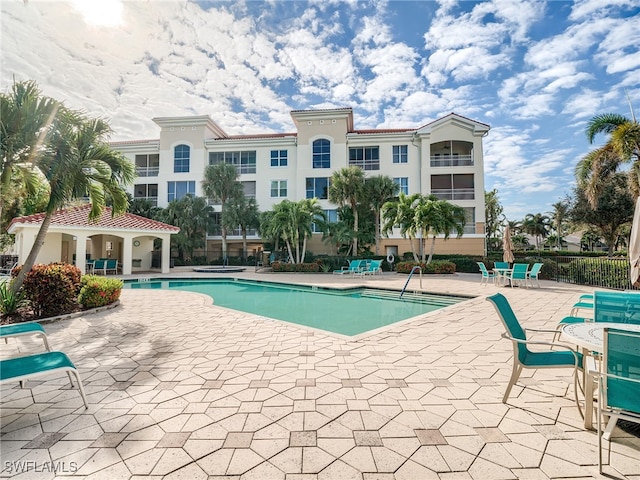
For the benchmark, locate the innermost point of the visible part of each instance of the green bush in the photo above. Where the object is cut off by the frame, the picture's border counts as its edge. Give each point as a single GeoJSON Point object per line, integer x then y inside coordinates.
{"type": "Point", "coordinates": [601, 272]}
{"type": "Point", "coordinates": [295, 267]}
{"type": "Point", "coordinates": [52, 289]}
{"type": "Point", "coordinates": [99, 291]}
{"type": "Point", "coordinates": [436, 266]}
{"type": "Point", "coordinates": [10, 302]}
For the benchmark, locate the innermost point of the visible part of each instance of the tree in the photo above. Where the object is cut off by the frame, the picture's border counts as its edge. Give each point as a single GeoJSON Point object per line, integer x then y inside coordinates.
{"type": "Point", "coordinates": [401, 213]}
{"type": "Point", "coordinates": [437, 217]}
{"type": "Point", "coordinates": [559, 216]}
{"type": "Point", "coordinates": [26, 120]}
{"type": "Point", "coordinates": [614, 209]}
{"type": "Point", "coordinates": [242, 212]}
{"type": "Point", "coordinates": [622, 146]}
{"type": "Point", "coordinates": [144, 208]}
{"type": "Point", "coordinates": [77, 162]}
{"type": "Point", "coordinates": [493, 218]}
{"type": "Point", "coordinates": [377, 191]}
{"type": "Point", "coordinates": [293, 221]}
{"type": "Point", "coordinates": [221, 184]}
{"type": "Point", "coordinates": [347, 187]}
{"type": "Point", "coordinates": [536, 225]}
{"type": "Point", "coordinates": [194, 217]}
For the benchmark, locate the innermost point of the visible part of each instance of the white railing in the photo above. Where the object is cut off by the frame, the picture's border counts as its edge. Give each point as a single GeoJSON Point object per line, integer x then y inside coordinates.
{"type": "Point", "coordinates": [454, 193]}
{"type": "Point", "coordinates": [147, 171]}
{"type": "Point", "coordinates": [451, 160]}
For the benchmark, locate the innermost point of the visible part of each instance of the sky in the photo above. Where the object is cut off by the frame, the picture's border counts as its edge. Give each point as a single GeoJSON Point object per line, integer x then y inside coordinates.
{"type": "Point", "coordinates": [535, 71]}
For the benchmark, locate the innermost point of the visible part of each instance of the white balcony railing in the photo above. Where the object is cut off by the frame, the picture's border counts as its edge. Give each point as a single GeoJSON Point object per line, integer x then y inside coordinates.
{"type": "Point", "coordinates": [451, 160]}
{"type": "Point", "coordinates": [153, 200]}
{"type": "Point", "coordinates": [454, 193]}
{"type": "Point", "coordinates": [147, 171]}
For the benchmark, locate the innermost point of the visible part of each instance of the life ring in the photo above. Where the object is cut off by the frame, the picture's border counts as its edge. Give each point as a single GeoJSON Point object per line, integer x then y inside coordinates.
{"type": "Point", "coordinates": [390, 258]}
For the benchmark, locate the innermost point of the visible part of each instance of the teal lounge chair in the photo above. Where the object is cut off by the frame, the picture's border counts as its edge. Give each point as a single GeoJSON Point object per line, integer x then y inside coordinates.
{"type": "Point", "coordinates": [20, 329]}
{"type": "Point", "coordinates": [374, 267]}
{"type": "Point", "coordinates": [619, 382]}
{"type": "Point", "coordinates": [21, 369]}
{"type": "Point", "coordinates": [99, 267]}
{"type": "Point", "coordinates": [111, 266]}
{"type": "Point", "coordinates": [523, 357]}
{"type": "Point", "coordinates": [534, 274]}
{"type": "Point", "coordinates": [486, 274]}
{"type": "Point", "coordinates": [353, 267]}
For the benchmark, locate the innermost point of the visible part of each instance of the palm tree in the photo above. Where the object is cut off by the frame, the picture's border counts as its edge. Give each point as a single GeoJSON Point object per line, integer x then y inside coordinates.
{"type": "Point", "coordinates": [537, 225]}
{"type": "Point", "coordinates": [377, 191]}
{"type": "Point", "coordinates": [78, 162]}
{"type": "Point", "coordinates": [437, 217]}
{"type": "Point", "coordinates": [293, 220]}
{"type": "Point", "coordinates": [221, 184]}
{"type": "Point", "coordinates": [559, 215]}
{"type": "Point", "coordinates": [346, 188]}
{"type": "Point", "coordinates": [401, 213]}
{"type": "Point", "coordinates": [193, 216]}
{"type": "Point", "coordinates": [243, 212]}
{"type": "Point", "coordinates": [623, 146]}
{"type": "Point", "coordinates": [25, 121]}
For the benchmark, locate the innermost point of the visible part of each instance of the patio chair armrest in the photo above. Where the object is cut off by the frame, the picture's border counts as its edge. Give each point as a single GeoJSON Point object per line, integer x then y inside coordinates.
{"type": "Point", "coordinates": [592, 367]}
{"type": "Point", "coordinates": [538, 342]}
{"type": "Point", "coordinates": [543, 330]}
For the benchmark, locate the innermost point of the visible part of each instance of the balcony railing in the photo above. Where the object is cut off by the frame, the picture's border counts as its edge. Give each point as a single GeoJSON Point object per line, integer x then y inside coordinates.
{"type": "Point", "coordinates": [451, 160]}
{"type": "Point", "coordinates": [454, 194]}
{"type": "Point", "coordinates": [153, 200]}
{"type": "Point", "coordinates": [147, 171]}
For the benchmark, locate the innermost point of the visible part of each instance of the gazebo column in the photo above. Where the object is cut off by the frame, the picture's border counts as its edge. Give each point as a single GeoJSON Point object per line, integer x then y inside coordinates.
{"type": "Point", "coordinates": [127, 255]}
{"type": "Point", "coordinates": [81, 253]}
{"type": "Point", "coordinates": [166, 254]}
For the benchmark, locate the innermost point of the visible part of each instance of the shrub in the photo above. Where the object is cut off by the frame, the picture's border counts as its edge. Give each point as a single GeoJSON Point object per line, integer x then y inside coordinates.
{"type": "Point", "coordinates": [295, 267]}
{"type": "Point", "coordinates": [99, 291]}
{"type": "Point", "coordinates": [601, 272]}
{"type": "Point", "coordinates": [52, 289]}
{"type": "Point", "coordinates": [436, 266]}
{"type": "Point", "coordinates": [10, 302]}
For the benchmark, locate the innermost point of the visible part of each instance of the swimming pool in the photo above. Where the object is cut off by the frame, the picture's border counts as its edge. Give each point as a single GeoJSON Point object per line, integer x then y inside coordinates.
{"type": "Point", "coordinates": [345, 311]}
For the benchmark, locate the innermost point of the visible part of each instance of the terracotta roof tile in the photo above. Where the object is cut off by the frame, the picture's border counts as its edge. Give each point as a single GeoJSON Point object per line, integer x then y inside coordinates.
{"type": "Point", "coordinates": [79, 217]}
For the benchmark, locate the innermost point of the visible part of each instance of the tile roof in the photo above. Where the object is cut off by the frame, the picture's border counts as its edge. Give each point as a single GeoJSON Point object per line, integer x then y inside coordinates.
{"type": "Point", "coordinates": [79, 217]}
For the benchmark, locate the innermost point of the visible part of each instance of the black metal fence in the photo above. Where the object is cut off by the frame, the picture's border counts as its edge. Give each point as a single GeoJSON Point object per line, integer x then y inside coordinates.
{"type": "Point", "coordinates": [605, 272]}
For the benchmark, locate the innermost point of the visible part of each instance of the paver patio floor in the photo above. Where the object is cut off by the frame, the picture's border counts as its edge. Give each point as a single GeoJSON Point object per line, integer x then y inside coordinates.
{"type": "Point", "coordinates": [181, 389]}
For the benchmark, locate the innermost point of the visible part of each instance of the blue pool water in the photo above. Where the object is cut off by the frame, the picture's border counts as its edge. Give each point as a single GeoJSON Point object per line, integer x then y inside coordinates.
{"type": "Point", "coordinates": [348, 312]}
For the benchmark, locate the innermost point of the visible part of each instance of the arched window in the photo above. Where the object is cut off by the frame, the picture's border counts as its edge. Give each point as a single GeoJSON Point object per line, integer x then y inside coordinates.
{"type": "Point", "coordinates": [322, 153]}
{"type": "Point", "coordinates": [181, 156]}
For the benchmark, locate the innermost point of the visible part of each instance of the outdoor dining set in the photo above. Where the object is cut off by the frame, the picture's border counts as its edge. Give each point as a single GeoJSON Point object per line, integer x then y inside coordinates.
{"type": "Point", "coordinates": [602, 347]}
{"type": "Point", "coordinates": [517, 274]}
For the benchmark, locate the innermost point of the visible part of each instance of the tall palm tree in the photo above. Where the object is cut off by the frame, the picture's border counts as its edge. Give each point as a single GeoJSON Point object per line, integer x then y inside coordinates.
{"type": "Point", "coordinates": [193, 216]}
{"type": "Point", "coordinates": [438, 217]}
{"type": "Point", "coordinates": [243, 212]}
{"type": "Point", "coordinates": [377, 191]}
{"type": "Point", "coordinates": [401, 212]}
{"type": "Point", "coordinates": [623, 146]}
{"type": "Point", "coordinates": [221, 184]}
{"type": "Point", "coordinates": [78, 162]}
{"type": "Point", "coordinates": [346, 188]}
{"type": "Point", "coordinates": [536, 225]}
{"type": "Point", "coordinates": [559, 216]}
{"type": "Point", "coordinates": [26, 118]}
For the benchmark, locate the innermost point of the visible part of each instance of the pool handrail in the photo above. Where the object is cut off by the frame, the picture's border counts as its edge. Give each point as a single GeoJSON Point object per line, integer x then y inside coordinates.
{"type": "Point", "coordinates": [417, 267]}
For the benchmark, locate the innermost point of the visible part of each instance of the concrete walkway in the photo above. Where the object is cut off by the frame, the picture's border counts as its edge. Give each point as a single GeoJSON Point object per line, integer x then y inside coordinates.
{"type": "Point", "coordinates": [181, 389]}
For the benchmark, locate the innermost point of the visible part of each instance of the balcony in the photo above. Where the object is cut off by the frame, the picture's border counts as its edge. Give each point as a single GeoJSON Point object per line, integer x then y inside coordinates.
{"type": "Point", "coordinates": [152, 200]}
{"type": "Point", "coordinates": [455, 160]}
{"type": "Point", "coordinates": [454, 193]}
{"type": "Point", "coordinates": [147, 171]}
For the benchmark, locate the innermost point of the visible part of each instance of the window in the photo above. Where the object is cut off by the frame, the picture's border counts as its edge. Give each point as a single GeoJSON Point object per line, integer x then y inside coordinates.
{"type": "Point", "coordinates": [278, 158]}
{"type": "Point", "coordinates": [249, 189]}
{"type": "Point", "coordinates": [147, 165]}
{"type": "Point", "coordinates": [322, 153]}
{"type": "Point", "coordinates": [453, 186]}
{"type": "Point", "coordinates": [469, 219]}
{"type": "Point", "coordinates": [332, 217]}
{"type": "Point", "coordinates": [245, 161]}
{"type": "Point", "coordinates": [403, 183]}
{"type": "Point", "coordinates": [278, 188]}
{"type": "Point", "coordinates": [318, 188]}
{"type": "Point", "coordinates": [181, 156]}
{"type": "Point", "coordinates": [400, 154]}
{"type": "Point", "coordinates": [148, 192]}
{"type": "Point", "coordinates": [367, 158]}
{"type": "Point", "coordinates": [177, 190]}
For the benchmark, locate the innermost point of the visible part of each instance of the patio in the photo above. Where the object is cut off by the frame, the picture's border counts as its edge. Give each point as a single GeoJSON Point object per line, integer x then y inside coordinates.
{"type": "Point", "coordinates": [181, 389]}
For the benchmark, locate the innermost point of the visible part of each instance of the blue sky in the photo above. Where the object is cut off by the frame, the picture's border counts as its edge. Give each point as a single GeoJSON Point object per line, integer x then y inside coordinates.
{"type": "Point", "coordinates": [535, 71]}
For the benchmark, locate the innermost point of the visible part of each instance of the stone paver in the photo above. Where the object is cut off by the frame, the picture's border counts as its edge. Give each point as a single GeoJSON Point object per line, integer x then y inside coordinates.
{"type": "Point", "coordinates": [181, 388]}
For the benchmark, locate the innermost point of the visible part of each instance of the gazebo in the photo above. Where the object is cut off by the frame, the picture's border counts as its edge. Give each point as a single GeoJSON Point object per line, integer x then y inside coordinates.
{"type": "Point", "coordinates": [72, 236]}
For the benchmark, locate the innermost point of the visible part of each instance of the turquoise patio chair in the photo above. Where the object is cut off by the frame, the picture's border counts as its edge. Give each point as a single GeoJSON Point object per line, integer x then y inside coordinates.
{"type": "Point", "coordinates": [111, 266]}
{"type": "Point", "coordinates": [534, 274]}
{"type": "Point", "coordinates": [374, 267]}
{"type": "Point", "coordinates": [486, 274]}
{"type": "Point", "coordinates": [518, 274]}
{"type": "Point", "coordinates": [99, 266]}
{"type": "Point", "coordinates": [501, 264]}
{"type": "Point", "coordinates": [22, 329]}
{"type": "Point", "coordinates": [616, 307]}
{"type": "Point", "coordinates": [523, 357]}
{"type": "Point", "coordinates": [24, 368]}
{"type": "Point", "coordinates": [619, 383]}
{"type": "Point", "coordinates": [354, 266]}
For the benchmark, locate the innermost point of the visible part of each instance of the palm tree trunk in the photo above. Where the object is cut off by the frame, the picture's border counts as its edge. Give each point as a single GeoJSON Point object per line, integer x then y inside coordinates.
{"type": "Point", "coordinates": [224, 244]}
{"type": "Point", "coordinates": [376, 217]}
{"type": "Point", "coordinates": [304, 247]}
{"type": "Point", "coordinates": [355, 229]}
{"type": "Point", "coordinates": [291, 259]}
{"type": "Point", "coordinates": [413, 249]}
{"type": "Point", "coordinates": [33, 254]}
{"type": "Point", "coordinates": [244, 244]}
{"type": "Point", "coordinates": [432, 249]}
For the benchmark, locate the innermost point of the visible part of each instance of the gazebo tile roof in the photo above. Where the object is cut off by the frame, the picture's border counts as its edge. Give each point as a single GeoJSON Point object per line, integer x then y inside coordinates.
{"type": "Point", "coordinates": [79, 217]}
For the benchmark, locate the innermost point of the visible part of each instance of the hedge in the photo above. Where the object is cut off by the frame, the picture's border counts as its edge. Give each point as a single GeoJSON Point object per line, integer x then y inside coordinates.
{"type": "Point", "coordinates": [99, 291]}
{"type": "Point", "coordinates": [435, 266]}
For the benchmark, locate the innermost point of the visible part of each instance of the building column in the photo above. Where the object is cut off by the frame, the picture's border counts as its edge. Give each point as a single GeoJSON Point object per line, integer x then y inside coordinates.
{"type": "Point", "coordinates": [81, 253]}
{"type": "Point", "coordinates": [166, 254]}
{"type": "Point", "coordinates": [127, 255]}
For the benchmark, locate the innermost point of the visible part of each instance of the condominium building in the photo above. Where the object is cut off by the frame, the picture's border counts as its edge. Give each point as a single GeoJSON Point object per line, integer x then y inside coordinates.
{"type": "Point", "coordinates": [443, 157]}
